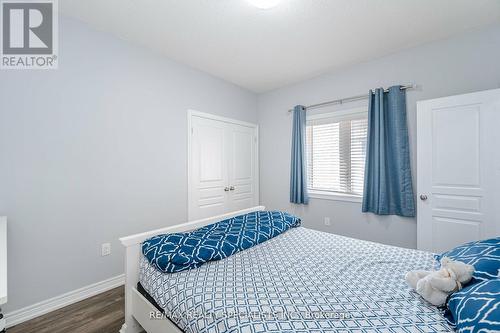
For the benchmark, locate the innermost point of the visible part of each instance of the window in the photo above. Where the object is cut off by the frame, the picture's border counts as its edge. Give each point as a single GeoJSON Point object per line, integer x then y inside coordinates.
{"type": "Point", "coordinates": [336, 149]}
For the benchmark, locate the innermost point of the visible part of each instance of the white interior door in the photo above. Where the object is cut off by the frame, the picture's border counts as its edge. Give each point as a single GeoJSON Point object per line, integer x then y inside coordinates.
{"type": "Point", "coordinates": [223, 165]}
{"type": "Point", "coordinates": [242, 167]}
{"type": "Point", "coordinates": [458, 169]}
{"type": "Point", "coordinates": [209, 170]}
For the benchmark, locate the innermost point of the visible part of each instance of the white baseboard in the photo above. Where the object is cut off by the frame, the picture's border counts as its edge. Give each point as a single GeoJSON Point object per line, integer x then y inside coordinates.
{"type": "Point", "coordinates": [16, 317]}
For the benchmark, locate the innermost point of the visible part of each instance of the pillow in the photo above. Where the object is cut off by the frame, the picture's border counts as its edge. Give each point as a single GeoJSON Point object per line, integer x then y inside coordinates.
{"type": "Point", "coordinates": [484, 255]}
{"type": "Point", "coordinates": [177, 252]}
{"type": "Point", "coordinates": [476, 308]}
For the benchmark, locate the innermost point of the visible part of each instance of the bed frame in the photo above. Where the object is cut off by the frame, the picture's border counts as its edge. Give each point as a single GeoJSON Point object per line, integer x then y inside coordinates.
{"type": "Point", "coordinates": [138, 309]}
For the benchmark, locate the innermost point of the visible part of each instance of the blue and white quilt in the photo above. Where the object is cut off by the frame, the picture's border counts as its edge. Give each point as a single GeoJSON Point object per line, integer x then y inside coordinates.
{"type": "Point", "coordinates": [300, 281]}
{"type": "Point", "coordinates": [186, 250]}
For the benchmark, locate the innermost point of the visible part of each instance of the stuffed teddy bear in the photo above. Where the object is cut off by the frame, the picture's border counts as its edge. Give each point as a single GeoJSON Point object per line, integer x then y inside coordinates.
{"type": "Point", "coordinates": [435, 286]}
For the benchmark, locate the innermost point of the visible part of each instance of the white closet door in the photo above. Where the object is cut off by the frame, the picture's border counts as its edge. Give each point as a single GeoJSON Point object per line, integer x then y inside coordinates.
{"type": "Point", "coordinates": [242, 167]}
{"type": "Point", "coordinates": [209, 168]}
{"type": "Point", "coordinates": [223, 166]}
{"type": "Point", "coordinates": [458, 169]}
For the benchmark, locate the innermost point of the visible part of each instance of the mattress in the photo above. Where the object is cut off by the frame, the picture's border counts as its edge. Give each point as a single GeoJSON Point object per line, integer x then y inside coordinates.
{"type": "Point", "coordinates": [301, 281]}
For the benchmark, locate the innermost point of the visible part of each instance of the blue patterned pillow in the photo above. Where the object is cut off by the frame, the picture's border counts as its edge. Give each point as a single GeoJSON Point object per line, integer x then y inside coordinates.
{"type": "Point", "coordinates": [484, 255]}
{"type": "Point", "coordinates": [177, 252]}
{"type": "Point", "coordinates": [476, 308]}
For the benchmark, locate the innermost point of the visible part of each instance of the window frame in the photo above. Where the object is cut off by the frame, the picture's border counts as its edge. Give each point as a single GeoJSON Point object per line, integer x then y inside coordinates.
{"type": "Point", "coordinates": [334, 195]}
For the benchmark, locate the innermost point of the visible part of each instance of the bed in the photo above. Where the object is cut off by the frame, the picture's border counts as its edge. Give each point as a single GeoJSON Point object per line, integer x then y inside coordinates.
{"type": "Point", "coordinates": [300, 281]}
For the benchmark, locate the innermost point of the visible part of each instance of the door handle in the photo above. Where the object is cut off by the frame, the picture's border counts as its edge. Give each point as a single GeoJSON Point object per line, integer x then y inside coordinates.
{"type": "Point", "coordinates": [231, 188]}
{"type": "Point", "coordinates": [226, 189]}
{"type": "Point", "coordinates": [423, 197]}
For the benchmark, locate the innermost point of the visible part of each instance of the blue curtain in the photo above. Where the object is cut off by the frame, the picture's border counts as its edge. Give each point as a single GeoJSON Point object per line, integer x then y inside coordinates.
{"type": "Point", "coordinates": [388, 186]}
{"type": "Point", "coordinates": [298, 178]}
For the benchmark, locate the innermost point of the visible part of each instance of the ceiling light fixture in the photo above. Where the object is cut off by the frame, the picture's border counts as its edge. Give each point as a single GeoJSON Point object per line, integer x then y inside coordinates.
{"type": "Point", "coordinates": [264, 4]}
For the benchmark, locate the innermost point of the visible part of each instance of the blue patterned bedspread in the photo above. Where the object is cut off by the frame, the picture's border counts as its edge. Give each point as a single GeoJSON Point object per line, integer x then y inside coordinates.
{"type": "Point", "coordinates": [300, 281]}
{"type": "Point", "coordinates": [182, 251]}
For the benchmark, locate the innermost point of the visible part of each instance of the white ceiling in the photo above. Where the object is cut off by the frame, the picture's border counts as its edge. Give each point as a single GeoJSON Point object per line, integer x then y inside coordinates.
{"type": "Point", "coordinates": [266, 49]}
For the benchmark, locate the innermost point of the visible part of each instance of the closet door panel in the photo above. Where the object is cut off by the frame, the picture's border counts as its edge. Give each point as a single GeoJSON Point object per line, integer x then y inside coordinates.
{"type": "Point", "coordinates": [222, 166]}
{"type": "Point", "coordinates": [242, 167]}
{"type": "Point", "coordinates": [209, 168]}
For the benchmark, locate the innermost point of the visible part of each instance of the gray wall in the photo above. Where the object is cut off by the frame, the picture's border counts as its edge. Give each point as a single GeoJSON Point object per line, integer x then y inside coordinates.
{"type": "Point", "coordinates": [459, 65]}
{"type": "Point", "coordinates": [93, 151]}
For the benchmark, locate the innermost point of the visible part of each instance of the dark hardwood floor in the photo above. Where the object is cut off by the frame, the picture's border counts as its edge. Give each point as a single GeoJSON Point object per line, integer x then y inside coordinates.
{"type": "Point", "coordinates": [103, 313]}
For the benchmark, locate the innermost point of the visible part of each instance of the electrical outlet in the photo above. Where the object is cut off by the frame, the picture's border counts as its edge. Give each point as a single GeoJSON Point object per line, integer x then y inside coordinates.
{"type": "Point", "coordinates": [105, 249]}
{"type": "Point", "coordinates": [327, 221]}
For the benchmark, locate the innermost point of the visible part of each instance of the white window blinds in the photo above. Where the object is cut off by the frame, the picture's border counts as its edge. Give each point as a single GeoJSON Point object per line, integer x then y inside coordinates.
{"type": "Point", "coordinates": [336, 149]}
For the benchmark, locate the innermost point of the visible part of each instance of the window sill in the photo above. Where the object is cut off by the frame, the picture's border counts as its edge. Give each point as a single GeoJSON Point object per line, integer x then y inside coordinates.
{"type": "Point", "coordinates": [324, 195]}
